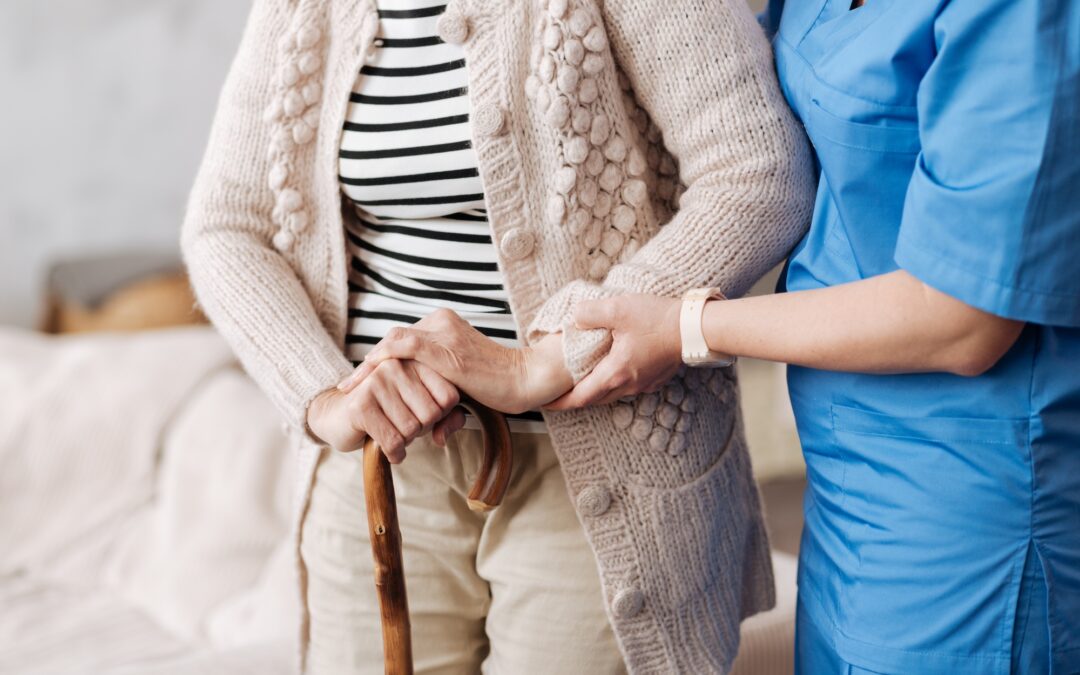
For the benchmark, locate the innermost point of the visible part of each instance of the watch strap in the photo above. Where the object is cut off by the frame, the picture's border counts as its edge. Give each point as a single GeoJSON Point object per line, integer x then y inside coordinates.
{"type": "Point", "coordinates": [695, 350]}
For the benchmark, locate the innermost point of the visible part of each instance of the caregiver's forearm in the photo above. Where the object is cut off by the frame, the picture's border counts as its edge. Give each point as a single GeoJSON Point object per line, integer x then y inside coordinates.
{"type": "Point", "coordinates": [888, 323]}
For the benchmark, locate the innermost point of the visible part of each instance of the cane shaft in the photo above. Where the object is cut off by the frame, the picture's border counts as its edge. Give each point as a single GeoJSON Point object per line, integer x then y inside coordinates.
{"type": "Point", "coordinates": [487, 492]}
{"type": "Point", "coordinates": [389, 570]}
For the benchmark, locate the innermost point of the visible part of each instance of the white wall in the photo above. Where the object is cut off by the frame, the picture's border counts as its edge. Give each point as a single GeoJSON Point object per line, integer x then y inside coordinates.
{"type": "Point", "coordinates": [105, 107]}
{"type": "Point", "coordinates": [104, 112]}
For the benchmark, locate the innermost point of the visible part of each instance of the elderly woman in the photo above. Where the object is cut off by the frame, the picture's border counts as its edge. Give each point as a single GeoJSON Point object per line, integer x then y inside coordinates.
{"type": "Point", "coordinates": [484, 166]}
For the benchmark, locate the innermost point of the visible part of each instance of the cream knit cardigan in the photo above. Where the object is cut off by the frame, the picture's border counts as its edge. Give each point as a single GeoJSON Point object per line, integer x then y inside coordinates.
{"type": "Point", "coordinates": [624, 146]}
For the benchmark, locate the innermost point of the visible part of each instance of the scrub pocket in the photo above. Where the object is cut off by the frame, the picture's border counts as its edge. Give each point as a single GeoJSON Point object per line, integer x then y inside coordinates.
{"type": "Point", "coordinates": [936, 513]}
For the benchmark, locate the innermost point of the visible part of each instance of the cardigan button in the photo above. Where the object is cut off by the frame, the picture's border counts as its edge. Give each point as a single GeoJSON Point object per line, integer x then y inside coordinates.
{"type": "Point", "coordinates": [489, 120]}
{"type": "Point", "coordinates": [594, 501]}
{"type": "Point", "coordinates": [627, 603]}
{"type": "Point", "coordinates": [453, 28]}
{"type": "Point", "coordinates": [518, 243]}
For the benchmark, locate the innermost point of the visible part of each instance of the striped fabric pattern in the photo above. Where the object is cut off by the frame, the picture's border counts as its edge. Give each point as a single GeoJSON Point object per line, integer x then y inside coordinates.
{"type": "Point", "coordinates": [407, 164]}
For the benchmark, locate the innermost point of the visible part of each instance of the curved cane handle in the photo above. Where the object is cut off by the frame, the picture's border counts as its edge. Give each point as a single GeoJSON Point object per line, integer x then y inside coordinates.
{"type": "Point", "coordinates": [490, 485]}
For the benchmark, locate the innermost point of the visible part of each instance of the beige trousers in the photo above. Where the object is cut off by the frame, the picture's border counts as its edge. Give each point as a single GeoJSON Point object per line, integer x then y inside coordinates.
{"type": "Point", "coordinates": [512, 592]}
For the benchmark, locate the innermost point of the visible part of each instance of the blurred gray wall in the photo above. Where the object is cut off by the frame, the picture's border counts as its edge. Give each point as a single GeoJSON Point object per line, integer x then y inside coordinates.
{"type": "Point", "coordinates": [105, 110]}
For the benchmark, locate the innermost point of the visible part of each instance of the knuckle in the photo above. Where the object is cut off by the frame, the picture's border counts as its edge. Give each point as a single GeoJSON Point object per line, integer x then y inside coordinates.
{"type": "Point", "coordinates": [447, 398]}
{"type": "Point", "coordinates": [410, 429]}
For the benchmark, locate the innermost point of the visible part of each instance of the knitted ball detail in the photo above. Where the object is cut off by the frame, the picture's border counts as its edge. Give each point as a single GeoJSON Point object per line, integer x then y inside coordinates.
{"type": "Point", "coordinates": [658, 439]}
{"type": "Point", "coordinates": [278, 175]}
{"type": "Point", "coordinates": [294, 114]}
{"type": "Point", "coordinates": [302, 133]}
{"type": "Point", "coordinates": [453, 28]}
{"type": "Point", "coordinates": [595, 40]}
{"type": "Point", "coordinates": [308, 36]}
{"type": "Point", "coordinates": [289, 200]}
{"type": "Point", "coordinates": [290, 74]}
{"type": "Point", "coordinates": [624, 219]}
{"type": "Point", "coordinates": [577, 150]}
{"type": "Point", "coordinates": [574, 52]}
{"type": "Point", "coordinates": [594, 234]}
{"type": "Point", "coordinates": [677, 444]}
{"type": "Point", "coordinates": [612, 242]}
{"type": "Point", "coordinates": [294, 103]}
{"type": "Point", "coordinates": [580, 220]}
{"type": "Point", "coordinates": [298, 221]}
{"type": "Point", "coordinates": [580, 22]}
{"type": "Point", "coordinates": [312, 93]}
{"type": "Point", "coordinates": [552, 37]}
{"type": "Point", "coordinates": [623, 415]}
{"type": "Point", "coordinates": [565, 179]}
{"type": "Point", "coordinates": [568, 79]}
{"type": "Point", "coordinates": [667, 415]}
{"type": "Point", "coordinates": [283, 240]}
{"type": "Point", "coordinates": [557, 8]}
{"type": "Point", "coordinates": [309, 62]}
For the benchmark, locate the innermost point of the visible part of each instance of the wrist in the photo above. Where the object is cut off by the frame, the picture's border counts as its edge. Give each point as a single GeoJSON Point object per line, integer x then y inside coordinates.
{"type": "Point", "coordinates": [317, 412]}
{"type": "Point", "coordinates": [545, 376]}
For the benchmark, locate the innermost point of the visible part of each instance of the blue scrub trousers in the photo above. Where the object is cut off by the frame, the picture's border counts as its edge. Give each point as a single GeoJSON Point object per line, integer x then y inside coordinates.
{"type": "Point", "coordinates": [1031, 643]}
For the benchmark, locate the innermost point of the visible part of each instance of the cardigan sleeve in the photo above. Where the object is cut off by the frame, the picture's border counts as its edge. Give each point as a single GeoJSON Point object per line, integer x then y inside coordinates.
{"type": "Point", "coordinates": [703, 70]}
{"type": "Point", "coordinates": [243, 284]}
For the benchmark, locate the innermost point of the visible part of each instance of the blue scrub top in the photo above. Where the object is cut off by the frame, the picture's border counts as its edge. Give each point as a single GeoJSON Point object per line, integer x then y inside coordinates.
{"type": "Point", "coordinates": [948, 138]}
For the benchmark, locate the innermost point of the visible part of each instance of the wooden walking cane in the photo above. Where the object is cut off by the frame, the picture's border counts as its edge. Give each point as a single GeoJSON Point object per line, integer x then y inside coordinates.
{"type": "Point", "coordinates": [487, 492]}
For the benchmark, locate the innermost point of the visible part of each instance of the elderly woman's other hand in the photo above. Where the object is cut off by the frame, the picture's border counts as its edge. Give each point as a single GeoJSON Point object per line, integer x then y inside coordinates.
{"type": "Point", "coordinates": [646, 349]}
{"type": "Point", "coordinates": [502, 378]}
{"type": "Point", "coordinates": [398, 402]}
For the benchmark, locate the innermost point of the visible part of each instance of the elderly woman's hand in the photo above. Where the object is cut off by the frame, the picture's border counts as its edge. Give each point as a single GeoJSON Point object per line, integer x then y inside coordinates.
{"type": "Point", "coordinates": [502, 378]}
{"type": "Point", "coordinates": [646, 349]}
{"type": "Point", "coordinates": [398, 402]}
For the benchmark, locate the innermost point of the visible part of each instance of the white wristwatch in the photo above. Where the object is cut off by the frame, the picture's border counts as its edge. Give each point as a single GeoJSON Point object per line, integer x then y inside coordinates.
{"type": "Point", "coordinates": [695, 351]}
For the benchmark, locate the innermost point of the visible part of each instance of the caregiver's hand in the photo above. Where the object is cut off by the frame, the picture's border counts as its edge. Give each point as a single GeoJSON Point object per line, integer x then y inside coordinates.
{"type": "Point", "coordinates": [646, 349]}
{"type": "Point", "coordinates": [399, 401]}
{"type": "Point", "coordinates": [502, 378]}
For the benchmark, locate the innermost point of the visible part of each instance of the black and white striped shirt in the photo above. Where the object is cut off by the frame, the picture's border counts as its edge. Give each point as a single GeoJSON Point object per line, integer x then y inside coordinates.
{"type": "Point", "coordinates": [407, 164]}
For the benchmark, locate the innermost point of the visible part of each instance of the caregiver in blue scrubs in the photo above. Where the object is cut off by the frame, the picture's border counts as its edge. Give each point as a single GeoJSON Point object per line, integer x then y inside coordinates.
{"type": "Point", "coordinates": [933, 322]}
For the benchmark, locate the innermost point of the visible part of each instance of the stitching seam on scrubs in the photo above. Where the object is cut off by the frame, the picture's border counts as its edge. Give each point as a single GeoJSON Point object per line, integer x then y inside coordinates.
{"type": "Point", "coordinates": [951, 655]}
{"type": "Point", "coordinates": [885, 107]}
{"type": "Point", "coordinates": [840, 424]}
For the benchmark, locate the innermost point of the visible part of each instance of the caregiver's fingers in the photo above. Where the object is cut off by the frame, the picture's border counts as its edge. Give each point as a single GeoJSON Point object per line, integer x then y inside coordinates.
{"type": "Point", "coordinates": [595, 386]}
{"type": "Point", "coordinates": [598, 313]}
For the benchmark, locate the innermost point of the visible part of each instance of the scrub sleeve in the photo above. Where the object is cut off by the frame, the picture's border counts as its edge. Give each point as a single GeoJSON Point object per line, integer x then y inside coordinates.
{"type": "Point", "coordinates": [991, 214]}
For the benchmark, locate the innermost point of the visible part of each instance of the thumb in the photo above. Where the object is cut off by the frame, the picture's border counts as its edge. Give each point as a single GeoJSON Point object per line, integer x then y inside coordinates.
{"type": "Point", "coordinates": [595, 314]}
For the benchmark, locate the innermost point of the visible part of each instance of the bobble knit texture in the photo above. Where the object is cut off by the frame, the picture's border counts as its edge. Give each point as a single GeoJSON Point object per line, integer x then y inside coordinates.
{"type": "Point", "coordinates": [629, 147]}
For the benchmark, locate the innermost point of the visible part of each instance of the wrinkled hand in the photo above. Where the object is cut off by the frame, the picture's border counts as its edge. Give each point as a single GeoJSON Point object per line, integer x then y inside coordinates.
{"type": "Point", "coordinates": [502, 378]}
{"type": "Point", "coordinates": [646, 349]}
{"type": "Point", "coordinates": [398, 402]}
